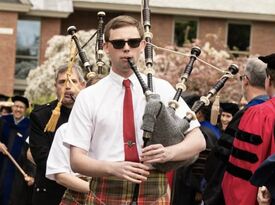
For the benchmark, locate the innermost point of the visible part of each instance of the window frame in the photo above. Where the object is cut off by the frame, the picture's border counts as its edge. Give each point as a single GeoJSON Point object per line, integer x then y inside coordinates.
{"type": "Point", "coordinates": [21, 84]}
{"type": "Point", "coordinates": [248, 23]}
{"type": "Point", "coordinates": [181, 19]}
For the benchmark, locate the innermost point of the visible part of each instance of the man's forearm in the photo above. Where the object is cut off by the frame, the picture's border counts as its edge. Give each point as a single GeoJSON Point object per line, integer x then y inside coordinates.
{"type": "Point", "coordinates": [83, 164]}
{"type": "Point", "coordinates": [72, 182]}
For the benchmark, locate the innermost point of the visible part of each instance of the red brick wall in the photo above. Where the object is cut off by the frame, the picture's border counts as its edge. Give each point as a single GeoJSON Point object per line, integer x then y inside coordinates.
{"type": "Point", "coordinates": [84, 20]}
{"type": "Point", "coordinates": [162, 25]}
{"type": "Point", "coordinates": [7, 52]}
{"type": "Point", "coordinates": [162, 29]}
{"type": "Point", "coordinates": [213, 30]}
{"type": "Point", "coordinates": [49, 28]}
{"type": "Point", "coordinates": [263, 38]}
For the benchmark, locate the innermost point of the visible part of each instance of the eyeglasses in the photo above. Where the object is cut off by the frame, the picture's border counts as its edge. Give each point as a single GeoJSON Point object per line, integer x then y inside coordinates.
{"type": "Point", "coordinates": [120, 43]}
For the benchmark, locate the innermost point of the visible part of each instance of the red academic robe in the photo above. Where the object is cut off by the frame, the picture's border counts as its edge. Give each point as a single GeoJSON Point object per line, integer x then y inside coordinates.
{"type": "Point", "coordinates": [253, 143]}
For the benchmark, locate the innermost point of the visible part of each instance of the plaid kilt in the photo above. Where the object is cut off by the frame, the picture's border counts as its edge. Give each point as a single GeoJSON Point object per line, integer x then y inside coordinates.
{"type": "Point", "coordinates": [114, 191]}
{"type": "Point", "coordinates": [71, 197]}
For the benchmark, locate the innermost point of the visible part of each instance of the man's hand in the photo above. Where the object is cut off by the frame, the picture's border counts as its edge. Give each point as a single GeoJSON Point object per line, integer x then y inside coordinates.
{"type": "Point", "coordinates": [3, 148]}
{"type": "Point", "coordinates": [131, 171]}
{"type": "Point", "coordinates": [263, 197]}
{"type": "Point", "coordinates": [29, 180]}
{"type": "Point", "coordinates": [156, 153]}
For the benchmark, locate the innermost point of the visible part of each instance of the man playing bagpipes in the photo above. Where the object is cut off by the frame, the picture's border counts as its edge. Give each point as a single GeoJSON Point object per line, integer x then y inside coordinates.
{"type": "Point", "coordinates": [106, 119]}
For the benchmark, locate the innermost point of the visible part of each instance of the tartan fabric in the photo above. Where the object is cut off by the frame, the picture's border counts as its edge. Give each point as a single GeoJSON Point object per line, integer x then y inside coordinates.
{"type": "Point", "coordinates": [71, 197]}
{"type": "Point", "coordinates": [114, 191]}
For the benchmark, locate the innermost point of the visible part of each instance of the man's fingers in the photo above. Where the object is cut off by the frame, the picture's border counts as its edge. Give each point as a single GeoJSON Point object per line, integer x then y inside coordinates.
{"type": "Point", "coordinates": [151, 147]}
{"type": "Point", "coordinates": [154, 160]}
{"type": "Point", "coordinates": [137, 176]}
{"type": "Point", "coordinates": [139, 169]}
{"type": "Point", "coordinates": [152, 152]}
{"type": "Point", "coordinates": [133, 180]}
{"type": "Point", "coordinates": [136, 172]}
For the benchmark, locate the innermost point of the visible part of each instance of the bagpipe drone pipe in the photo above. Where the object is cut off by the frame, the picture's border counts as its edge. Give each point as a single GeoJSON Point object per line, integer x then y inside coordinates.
{"type": "Point", "coordinates": [98, 48]}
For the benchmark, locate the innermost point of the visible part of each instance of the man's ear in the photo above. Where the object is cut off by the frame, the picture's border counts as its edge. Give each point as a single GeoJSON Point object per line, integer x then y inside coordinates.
{"type": "Point", "coordinates": [245, 81]}
{"type": "Point", "coordinates": [83, 84]}
{"type": "Point", "coordinates": [142, 44]}
{"type": "Point", "coordinates": [269, 81]}
{"type": "Point", "coordinates": [106, 47]}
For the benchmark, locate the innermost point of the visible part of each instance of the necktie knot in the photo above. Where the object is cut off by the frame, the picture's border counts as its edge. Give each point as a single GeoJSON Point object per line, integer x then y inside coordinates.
{"type": "Point", "coordinates": [127, 83]}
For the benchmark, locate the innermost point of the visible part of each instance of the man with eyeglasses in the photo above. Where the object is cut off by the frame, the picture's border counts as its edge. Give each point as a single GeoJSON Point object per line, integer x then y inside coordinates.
{"type": "Point", "coordinates": [253, 89]}
{"type": "Point", "coordinates": [253, 143]}
{"type": "Point", "coordinates": [13, 135]}
{"type": "Point", "coordinates": [99, 118]}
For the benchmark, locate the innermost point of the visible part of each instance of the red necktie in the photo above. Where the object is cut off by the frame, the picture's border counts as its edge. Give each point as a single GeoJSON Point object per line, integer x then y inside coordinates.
{"type": "Point", "coordinates": [130, 147]}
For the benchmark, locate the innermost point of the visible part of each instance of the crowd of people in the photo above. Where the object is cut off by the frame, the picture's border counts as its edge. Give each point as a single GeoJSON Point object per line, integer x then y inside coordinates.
{"type": "Point", "coordinates": [94, 153]}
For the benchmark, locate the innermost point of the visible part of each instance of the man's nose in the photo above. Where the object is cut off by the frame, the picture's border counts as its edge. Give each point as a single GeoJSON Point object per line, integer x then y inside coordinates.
{"type": "Point", "coordinates": [126, 46]}
{"type": "Point", "coordinates": [68, 85]}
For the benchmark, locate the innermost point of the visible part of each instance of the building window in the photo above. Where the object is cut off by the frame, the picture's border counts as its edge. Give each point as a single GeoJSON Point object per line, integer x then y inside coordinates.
{"type": "Point", "coordinates": [185, 31]}
{"type": "Point", "coordinates": [27, 47]}
{"type": "Point", "coordinates": [238, 37]}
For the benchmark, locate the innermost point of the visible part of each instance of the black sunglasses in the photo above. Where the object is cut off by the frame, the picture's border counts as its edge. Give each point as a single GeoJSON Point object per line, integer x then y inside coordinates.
{"type": "Point", "coordinates": [120, 43]}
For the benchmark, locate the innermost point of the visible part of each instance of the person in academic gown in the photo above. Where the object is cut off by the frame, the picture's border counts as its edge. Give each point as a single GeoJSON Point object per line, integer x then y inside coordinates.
{"type": "Point", "coordinates": [253, 88]}
{"type": "Point", "coordinates": [13, 134]}
{"type": "Point", "coordinates": [254, 142]}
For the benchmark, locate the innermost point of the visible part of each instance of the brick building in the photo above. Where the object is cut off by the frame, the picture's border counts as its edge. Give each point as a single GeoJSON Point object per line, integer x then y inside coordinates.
{"type": "Point", "coordinates": [246, 27]}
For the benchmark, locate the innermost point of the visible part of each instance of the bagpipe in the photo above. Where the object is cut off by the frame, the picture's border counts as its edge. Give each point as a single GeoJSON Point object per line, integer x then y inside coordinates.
{"type": "Point", "coordinates": [160, 124]}
{"type": "Point", "coordinates": [92, 74]}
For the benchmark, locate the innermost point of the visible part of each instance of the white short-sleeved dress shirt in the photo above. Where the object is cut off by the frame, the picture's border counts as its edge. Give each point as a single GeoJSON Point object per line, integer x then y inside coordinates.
{"type": "Point", "coordinates": [59, 156]}
{"type": "Point", "coordinates": [96, 120]}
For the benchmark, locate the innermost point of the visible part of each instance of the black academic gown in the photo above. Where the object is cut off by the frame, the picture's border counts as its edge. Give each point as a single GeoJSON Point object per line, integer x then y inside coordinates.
{"type": "Point", "coordinates": [188, 181]}
{"type": "Point", "coordinates": [22, 192]}
{"type": "Point", "coordinates": [14, 137]}
{"type": "Point", "coordinates": [46, 192]}
{"type": "Point", "coordinates": [265, 176]}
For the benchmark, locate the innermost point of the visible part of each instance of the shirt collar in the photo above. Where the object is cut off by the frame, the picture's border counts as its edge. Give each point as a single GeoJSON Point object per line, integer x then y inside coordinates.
{"type": "Point", "coordinates": [118, 79]}
{"type": "Point", "coordinates": [18, 121]}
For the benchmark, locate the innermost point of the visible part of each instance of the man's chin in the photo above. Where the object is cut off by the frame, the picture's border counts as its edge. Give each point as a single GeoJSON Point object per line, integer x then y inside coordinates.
{"type": "Point", "coordinates": [67, 102]}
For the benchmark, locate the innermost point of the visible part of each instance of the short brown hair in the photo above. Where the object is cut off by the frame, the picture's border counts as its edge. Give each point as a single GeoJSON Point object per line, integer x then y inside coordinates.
{"type": "Point", "coordinates": [120, 22]}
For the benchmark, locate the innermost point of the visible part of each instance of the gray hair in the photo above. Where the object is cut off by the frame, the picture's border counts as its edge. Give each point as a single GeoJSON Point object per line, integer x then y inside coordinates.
{"type": "Point", "coordinates": [63, 69]}
{"type": "Point", "coordinates": [255, 70]}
